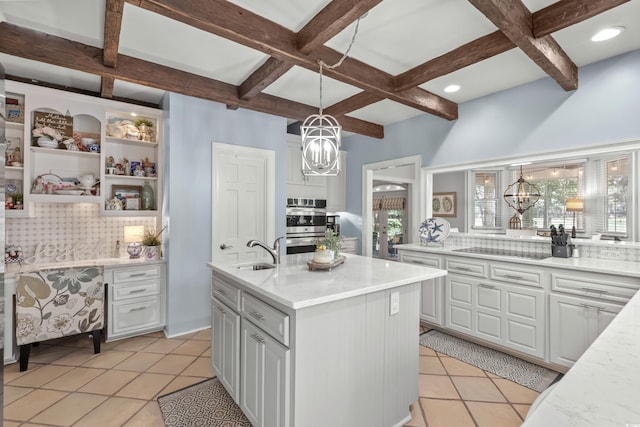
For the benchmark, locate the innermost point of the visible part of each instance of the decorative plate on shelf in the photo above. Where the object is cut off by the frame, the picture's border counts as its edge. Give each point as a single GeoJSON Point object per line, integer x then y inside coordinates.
{"type": "Point", "coordinates": [434, 230]}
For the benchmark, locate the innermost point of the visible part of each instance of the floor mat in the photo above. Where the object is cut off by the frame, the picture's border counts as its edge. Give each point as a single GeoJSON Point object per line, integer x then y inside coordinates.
{"type": "Point", "coordinates": [504, 365]}
{"type": "Point", "coordinates": [204, 404]}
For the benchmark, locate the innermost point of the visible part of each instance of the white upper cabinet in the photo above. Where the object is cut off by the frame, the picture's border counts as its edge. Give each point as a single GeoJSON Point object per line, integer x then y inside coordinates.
{"type": "Point", "coordinates": [105, 152]}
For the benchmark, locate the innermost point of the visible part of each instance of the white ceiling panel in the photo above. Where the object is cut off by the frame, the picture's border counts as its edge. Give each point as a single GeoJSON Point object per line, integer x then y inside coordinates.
{"type": "Point", "coordinates": [495, 74]}
{"type": "Point", "coordinates": [397, 35]}
{"type": "Point", "coordinates": [385, 112]}
{"type": "Point", "coordinates": [154, 38]}
{"type": "Point", "coordinates": [576, 40]}
{"type": "Point", "coordinates": [291, 14]}
{"type": "Point", "coordinates": [49, 73]}
{"type": "Point", "coordinates": [302, 85]}
{"type": "Point", "coordinates": [124, 89]}
{"type": "Point", "coordinates": [79, 20]}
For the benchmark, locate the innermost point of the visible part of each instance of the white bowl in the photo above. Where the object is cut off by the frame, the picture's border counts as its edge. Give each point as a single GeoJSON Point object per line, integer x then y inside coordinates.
{"type": "Point", "coordinates": [47, 143]}
{"type": "Point", "coordinates": [88, 141]}
{"type": "Point", "coordinates": [323, 257]}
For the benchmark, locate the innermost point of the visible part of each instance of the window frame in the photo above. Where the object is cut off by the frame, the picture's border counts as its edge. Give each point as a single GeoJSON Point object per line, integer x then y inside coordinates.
{"type": "Point", "coordinates": [632, 148]}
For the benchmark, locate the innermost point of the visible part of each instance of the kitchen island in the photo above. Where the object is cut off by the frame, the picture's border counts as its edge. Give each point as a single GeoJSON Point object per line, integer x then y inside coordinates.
{"type": "Point", "coordinates": [295, 347]}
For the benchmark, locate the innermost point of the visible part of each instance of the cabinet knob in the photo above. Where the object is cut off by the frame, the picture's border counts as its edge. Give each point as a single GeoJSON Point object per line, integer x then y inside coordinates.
{"type": "Point", "coordinates": [225, 246]}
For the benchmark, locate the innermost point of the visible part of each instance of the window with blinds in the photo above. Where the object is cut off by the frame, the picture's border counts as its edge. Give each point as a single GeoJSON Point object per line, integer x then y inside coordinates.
{"type": "Point", "coordinates": [611, 213]}
{"type": "Point", "coordinates": [486, 200]}
{"type": "Point", "coordinates": [556, 184]}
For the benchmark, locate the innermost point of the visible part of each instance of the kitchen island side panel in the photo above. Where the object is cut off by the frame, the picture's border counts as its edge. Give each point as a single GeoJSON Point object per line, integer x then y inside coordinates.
{"type": "Point", "coordinates": [355, 364]}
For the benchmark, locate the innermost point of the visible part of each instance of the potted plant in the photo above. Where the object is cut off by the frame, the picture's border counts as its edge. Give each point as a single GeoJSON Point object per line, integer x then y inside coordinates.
{"type": "Point", "coordinates": [152, 242]}
{"type": "Point", "coordinates": [146, 129]}
{"type": "Point", "coordinates": [328, 248]}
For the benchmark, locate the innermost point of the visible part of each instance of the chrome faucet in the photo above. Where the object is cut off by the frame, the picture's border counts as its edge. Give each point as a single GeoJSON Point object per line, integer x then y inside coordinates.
{"type": "Point", "coordinates": [275, 252]}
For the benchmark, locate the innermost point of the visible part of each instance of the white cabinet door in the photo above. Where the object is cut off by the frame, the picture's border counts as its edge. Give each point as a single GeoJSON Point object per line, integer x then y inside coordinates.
{"type": "Point", "coordinates": [337, 187]}
{"type": "Point", "coordinates": [524, 319]}
{"type": "Point", "coordinates": [225, 346]}
{"type": "Point", "coordinates": [265, 370]}
{"type": "Point", "coordinates": [574, 323]}
{"type": "Point", "coordinates": [432, 290]}
{"type": "Point", "coordinates": [459, 302]}
{"type": "Point", "coordinates": [299, 185]}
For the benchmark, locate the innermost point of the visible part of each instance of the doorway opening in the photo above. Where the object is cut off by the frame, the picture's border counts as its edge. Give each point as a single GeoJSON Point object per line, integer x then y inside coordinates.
{"type": "Point", "coordinates": [404, 172]}
{"type": "Point", "coordinates": [389, 218]}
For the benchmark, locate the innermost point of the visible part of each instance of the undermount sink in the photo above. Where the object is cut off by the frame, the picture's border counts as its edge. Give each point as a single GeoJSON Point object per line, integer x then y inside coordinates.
{"type": "Point", "coordinates": [257, 266]}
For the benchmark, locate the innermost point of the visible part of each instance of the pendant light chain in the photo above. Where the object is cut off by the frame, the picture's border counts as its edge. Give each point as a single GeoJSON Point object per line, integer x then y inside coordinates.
{"type": "Point", "coordinates": [339, 63]}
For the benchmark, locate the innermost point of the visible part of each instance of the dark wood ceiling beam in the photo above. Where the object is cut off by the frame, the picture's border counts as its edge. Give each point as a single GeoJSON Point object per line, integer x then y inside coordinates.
{"type": "Point", "coordinates": [106, 87]}
{"type": "Point", "coordinates": [565, 13]}
{"type": "Point", "coordinates": [112, 26]}
{"type": "Point", "coordinates": [331, 20]}
{"type": "Point", "coordinates": [516, 22]}
{"type": "Point", "coordinates": [470, 53]}
{"type": "Point", "coordinates": [355, 102]}
{"type": "Point", "coordinates": [268, 73]}
{"type": "Point", "coordinates": [223, 18]}
{"type": "Point", "coordinates": [23, 42]}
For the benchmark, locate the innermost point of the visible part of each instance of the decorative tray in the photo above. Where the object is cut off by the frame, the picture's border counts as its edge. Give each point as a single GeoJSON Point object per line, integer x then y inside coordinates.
{"type": "Point", "coordinates": [325, 265]}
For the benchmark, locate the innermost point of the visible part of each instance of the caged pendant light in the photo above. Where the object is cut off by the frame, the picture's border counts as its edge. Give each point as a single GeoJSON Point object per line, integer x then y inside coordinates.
{"type": "Point", "coordinates": [321, 133]}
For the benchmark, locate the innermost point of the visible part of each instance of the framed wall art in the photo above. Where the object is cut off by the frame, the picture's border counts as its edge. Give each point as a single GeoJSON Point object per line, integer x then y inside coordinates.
{"type": "Point", "coordinates": [444, 204]}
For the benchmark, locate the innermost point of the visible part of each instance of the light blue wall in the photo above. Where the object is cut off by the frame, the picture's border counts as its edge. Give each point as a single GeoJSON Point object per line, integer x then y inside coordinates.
{"type": "Point", "coordinates": [532, 118]}
{"type": "Point", "coordinates": [192, 125]}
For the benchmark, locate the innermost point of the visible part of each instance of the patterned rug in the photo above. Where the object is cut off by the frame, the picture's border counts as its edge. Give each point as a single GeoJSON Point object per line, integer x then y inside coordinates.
{"type": "Point", "coordinates": [504, 365]}
{"type": "Point", "coordinates": [206, 404]}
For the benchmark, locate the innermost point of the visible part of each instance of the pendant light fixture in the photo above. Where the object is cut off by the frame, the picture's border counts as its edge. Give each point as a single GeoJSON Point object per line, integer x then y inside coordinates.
{"type": "Point", "coordinates": [521, 195]}
{"type": "Point", "coordinates": [321, 133]}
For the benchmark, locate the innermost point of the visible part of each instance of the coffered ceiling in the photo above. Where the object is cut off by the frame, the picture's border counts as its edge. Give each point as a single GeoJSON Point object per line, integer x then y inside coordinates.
{"type": "Point", "coordinates": [263, 55]}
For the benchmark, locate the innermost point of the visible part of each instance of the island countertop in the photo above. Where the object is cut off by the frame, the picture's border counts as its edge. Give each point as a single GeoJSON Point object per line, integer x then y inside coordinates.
{"type": "Point", "coordinates": [293, 285]}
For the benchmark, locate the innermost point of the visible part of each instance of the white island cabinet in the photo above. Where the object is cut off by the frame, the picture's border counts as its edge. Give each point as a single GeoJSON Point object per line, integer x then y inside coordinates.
{"type": "Point", "coordinates": [319, 348]}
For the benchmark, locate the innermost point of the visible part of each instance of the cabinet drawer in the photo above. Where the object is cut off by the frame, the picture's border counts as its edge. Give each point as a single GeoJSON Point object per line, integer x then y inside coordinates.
{"type": "Point", "coordinates": [135, 274]}
{"type": "Point", "coordinates": [516, 275]}
{"type": "Point", "coordinates": [223, 291]}
{"type": "Point", "coordinates": [426, 260]}
{"type": "Point", "coordinates": [137, 315]}
{"type": "Point", "coordinates": [464, 266]}
{"type": "Point", "coordinates": [273, 321]}
{"type": "Point", "coordinates": [601, 286]}
{"type": "Point", "coordinates": [135, 290]}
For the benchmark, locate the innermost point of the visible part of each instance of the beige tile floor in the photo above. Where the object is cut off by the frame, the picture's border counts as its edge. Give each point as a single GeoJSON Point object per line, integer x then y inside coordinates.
{"type": "Point", "coordinates": [67, 385]}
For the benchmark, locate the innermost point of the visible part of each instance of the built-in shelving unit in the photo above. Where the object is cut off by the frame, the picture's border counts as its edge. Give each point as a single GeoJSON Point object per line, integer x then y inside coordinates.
{"type": "Point", "coordinates": [125, 136]}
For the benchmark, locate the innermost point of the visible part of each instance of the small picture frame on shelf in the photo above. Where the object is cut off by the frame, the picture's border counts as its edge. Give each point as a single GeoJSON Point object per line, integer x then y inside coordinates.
{"type": "Point", "coordinates": [444, 204]}
{"type": "Point", "coordinates": [129, 195]}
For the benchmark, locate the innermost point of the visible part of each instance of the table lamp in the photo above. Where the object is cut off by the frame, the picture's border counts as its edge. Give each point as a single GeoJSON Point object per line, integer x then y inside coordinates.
{"type": "Point", "coordinates": [574, 205]}
{"type": "Point", "coordinates": [133, 235]}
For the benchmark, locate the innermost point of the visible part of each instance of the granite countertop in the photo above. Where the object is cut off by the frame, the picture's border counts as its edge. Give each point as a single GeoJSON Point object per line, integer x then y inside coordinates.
{"type": "Point", "coordinates": [294, 286]}
{"type": "Point", "coordinates": [603, 388]}
{"type": "Point", "coordinates": [594, 265]}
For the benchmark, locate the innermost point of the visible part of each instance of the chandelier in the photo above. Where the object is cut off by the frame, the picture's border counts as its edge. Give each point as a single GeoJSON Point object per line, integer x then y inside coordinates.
{"type": "Point", "coordinates": [521, 195]}
{"type": "Point", "coordinates": [321, 133]}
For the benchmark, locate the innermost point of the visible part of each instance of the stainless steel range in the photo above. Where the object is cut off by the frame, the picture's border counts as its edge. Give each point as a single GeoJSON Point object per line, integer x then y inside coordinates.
{"type": "Point", "coordinates": [306, 222]}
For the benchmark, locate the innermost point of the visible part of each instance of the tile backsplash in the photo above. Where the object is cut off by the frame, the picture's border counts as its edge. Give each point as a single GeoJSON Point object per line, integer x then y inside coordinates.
{"type": "Point", "coordinates": [70, 231]}
{"type": "Point", "coordinates": [621, 251]}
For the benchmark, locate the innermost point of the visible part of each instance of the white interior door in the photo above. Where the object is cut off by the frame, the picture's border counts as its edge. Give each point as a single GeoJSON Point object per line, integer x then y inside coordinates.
{"type": "Point", "coordinates": [243, 201]}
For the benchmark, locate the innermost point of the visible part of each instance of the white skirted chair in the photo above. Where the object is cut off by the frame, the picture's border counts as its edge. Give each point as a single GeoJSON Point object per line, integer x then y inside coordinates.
{"type": "Point", "coordinates": [56, 303]}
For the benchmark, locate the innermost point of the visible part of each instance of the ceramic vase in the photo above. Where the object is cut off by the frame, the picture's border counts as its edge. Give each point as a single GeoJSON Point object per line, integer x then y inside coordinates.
{"type": "Point", "coordinates": [152, 252]}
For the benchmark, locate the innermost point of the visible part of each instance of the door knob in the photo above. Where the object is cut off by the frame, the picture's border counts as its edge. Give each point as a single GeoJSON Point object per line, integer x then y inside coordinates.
{"type": "Point", "coordinates": [224, 246]}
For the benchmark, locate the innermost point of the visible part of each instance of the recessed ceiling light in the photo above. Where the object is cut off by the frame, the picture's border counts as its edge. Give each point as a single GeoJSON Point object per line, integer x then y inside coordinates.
{"type": "Point", "coordinates": [452, 88]}
{"type": "Point", "coordinates": [606, 34]}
